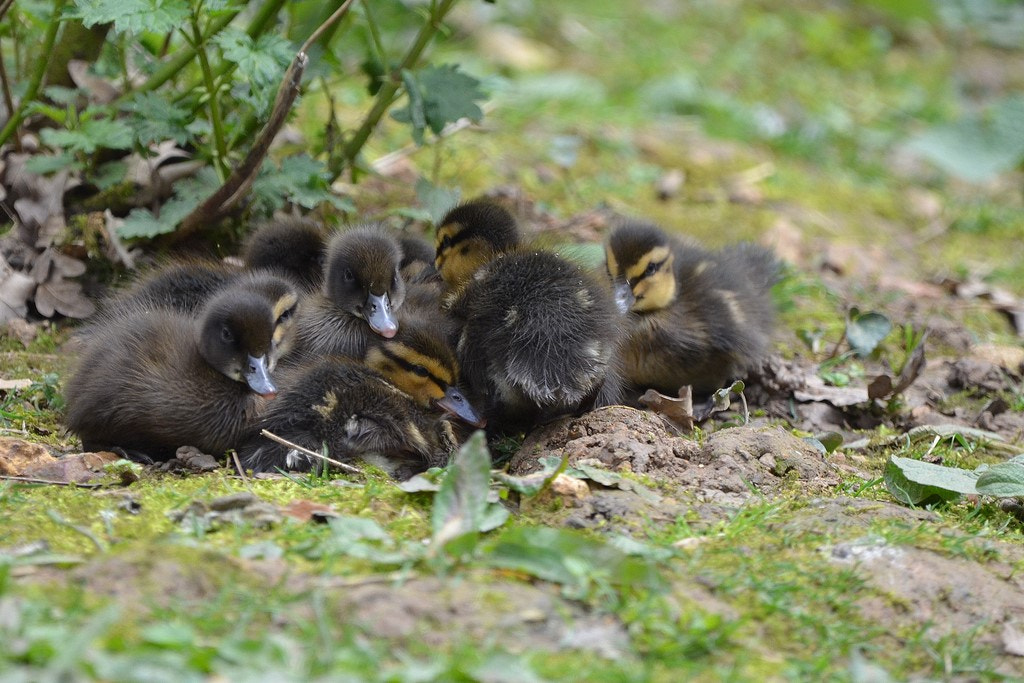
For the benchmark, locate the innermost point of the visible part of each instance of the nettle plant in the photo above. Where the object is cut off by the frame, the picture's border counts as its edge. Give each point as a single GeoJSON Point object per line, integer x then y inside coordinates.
{"type": "Point", "coordinates": [147, 109]}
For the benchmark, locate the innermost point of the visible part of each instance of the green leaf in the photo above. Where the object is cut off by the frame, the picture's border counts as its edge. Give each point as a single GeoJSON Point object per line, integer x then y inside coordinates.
{"type": "Point", "coordinates": [1003, 480]}
{"type": "Point", "coordinates": [532, 484]}
{"type": "Point", "coordinates": [570, 558]}
{"type": "Point", "coordinates": [461, 503]}
{"type": "Point", "coordinates": [439, 95]}
{"type": "Point", "coordinates": [132, 16]}
{"type": "Point", "coordinates": [144, 223]}
{"type": "Point", "coordinates": [261, 62]}
{"type": "Point", "coordinates": [299, 179]}
{"type": "Point", "coordinates": [92, 135]}
{"type": "Point", "coordinates": [436, 200]}
{"type": "Point", "coordinates": [155, 119]}
{"type": "Point", "coordinates": [865, 331]}
{"type": "Point", "coordinates": [44, 164]}
{"type": "Point", "coordinates": [977, 148]}
{"type": "Point", "coordinates": [169, 634]}
{"type": "Point", "coordinates": [915, 482]}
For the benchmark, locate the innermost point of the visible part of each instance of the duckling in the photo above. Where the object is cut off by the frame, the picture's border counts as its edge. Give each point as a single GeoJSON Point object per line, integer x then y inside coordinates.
{"type": "Point", "coordinates": [420, 362]}
{"type": "Point", "coordinates": [294, 247]}
{"type": "Point", "coordinates": [186, 286]}
{"type": "Point", "coordinates": [417, 263]}
{"type": "Point", "coordinates": [354, 412]}
{"type": "Point", "coordinates": [694, 317]}
{"type": "Point", "coordinates": [361, 294]}
{"type": "Point", "coordinates": [537, 333]}
{"type": "Point", "coordinates": [153, 379]}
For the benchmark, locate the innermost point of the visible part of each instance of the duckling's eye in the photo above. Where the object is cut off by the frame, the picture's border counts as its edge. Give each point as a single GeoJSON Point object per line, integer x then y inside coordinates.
{"type": "Point", "coordinates": [349, 275]}
{"type": "Point", "coordinates": [420, 370]}
{"type": "Point", "coordinates": [652, 268]}
{"type": "Point", "coordinates": [226, 335]}
{"type": "Point", "coordinates": [286, 316]}
{"type": "Point", "coordinates": [446, 242]}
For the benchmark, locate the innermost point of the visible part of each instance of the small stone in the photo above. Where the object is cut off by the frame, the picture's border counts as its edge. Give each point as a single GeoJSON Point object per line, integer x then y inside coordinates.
{"type": "Point", "coordinates": [570, 487]}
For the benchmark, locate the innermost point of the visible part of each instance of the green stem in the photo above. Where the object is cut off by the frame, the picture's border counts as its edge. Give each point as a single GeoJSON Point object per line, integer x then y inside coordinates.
{"type": "Point", "coordinates": [18, 115]}
{"type": "Point", "coordinates": [220, 159]}
{"type": "Point", "coordinates": [375, 38]}
{"type": "Point", "coordinates": [388, 92]}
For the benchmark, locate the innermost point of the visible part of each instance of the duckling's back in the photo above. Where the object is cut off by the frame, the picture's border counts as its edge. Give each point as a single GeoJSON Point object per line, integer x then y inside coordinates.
{"type": "Point", "coordinates": [538, 339]}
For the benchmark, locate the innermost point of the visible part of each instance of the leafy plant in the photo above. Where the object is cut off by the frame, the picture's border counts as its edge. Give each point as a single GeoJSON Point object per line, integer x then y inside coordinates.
{"type": "Point", "coordinates": [916, 482]}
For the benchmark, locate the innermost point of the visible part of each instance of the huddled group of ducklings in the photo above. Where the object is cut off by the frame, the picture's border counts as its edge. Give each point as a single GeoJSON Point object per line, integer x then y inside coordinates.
{"type": "Point", "coordinates": [389, 350]}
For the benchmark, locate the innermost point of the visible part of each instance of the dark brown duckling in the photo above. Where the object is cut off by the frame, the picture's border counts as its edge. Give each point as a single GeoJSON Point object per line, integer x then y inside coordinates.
{"type": "Point", "coordinates": [293, 247]}
{"type": "Point", "coordinates": [695, 317]}
{"type": "Point", "coordinates": [537, 333]}
{"type": "Point", "coordinates": [362, 293]}
{"type": "Point", "coordinates": [354, 412]}
{"type": "Point", "coordinates": [151, 380]}
{"type": "Point", "coordinates": [417, 263]}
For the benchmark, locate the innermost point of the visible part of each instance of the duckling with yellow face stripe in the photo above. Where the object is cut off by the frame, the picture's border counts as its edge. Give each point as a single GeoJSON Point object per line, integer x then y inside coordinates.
{"type": "Point", "coordinates": [694, 317]}
{"type": "Point", "coordinates": [537, 334]}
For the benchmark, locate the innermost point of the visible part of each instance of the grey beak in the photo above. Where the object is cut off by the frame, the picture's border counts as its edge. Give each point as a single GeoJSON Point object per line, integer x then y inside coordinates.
{"type": "Point", "coordinates": [624, 298]}
{"type": "Point", "coordinates": [456, 404]}
{"type": "Point", "coordinates": [380, 316]}
{"type": "Point", "coordinates": [258, 379]}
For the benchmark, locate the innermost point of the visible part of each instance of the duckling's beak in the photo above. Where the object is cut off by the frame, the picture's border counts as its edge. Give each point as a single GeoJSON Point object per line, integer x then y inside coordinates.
{"type": "Point", "coordinates": [624, 297]}
{"type": "Point", "coordinates": [380, 316]}
{"type": "Point", "coordinates": [454, 403]}
{"type": "Point", "coordinates": [258, 378]}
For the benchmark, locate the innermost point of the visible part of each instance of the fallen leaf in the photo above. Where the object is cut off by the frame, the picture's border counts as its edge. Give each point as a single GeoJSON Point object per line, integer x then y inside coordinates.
{"type": "Point", "coordinates": [22, 330]}
{"type": "Point", "coordinates": [15, 290]}
{"type": "Point", "coordinates": [100, 90]}
{"type": "Point", "coordinates": [679, 411]}
{"type": "Point", "coordinates": [307, 510]}
{"type": "Point", "coordinates": [815, 389]}
{"type": "Point", "coordinates": [880, 387]}
{"type": "Point", "coordinates": [77, 468]}
{"type": "Point", "coordinates": [8, 384]}
{"type": "Point", "coordinates": [64, 297]}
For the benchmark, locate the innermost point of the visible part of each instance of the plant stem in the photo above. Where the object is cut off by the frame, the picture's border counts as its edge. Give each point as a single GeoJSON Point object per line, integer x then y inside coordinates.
{"type": "Point", "coordinates": [389, 89]}
{"type": "Point", "coordinates": [378, 44]}
{"type": "Point", "coordinates": [220, 157]}
{"type": "Point", "coordinates": [18, 115]}
{"type": "Point", "coordinates": [8, 99]}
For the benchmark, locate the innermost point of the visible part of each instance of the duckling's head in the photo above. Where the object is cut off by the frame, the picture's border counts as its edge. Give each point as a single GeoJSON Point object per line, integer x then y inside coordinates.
{"type": "Point", "coordinates": [362, 277]}
{"type": "Point", "coordinates": [236, 337]}
{"type": "Point", "coordinates": [284, 300]}
{"type": "Point", "coordinates": [294, 245]}
{"type": "Point", "coordinates": [469, 236]}
{"type": "Point", "coordinates": [421, 364]}
{"type": "Point", "coordinates": [417, 259]}
{"type": "Point", "coordinates": [640, 262]}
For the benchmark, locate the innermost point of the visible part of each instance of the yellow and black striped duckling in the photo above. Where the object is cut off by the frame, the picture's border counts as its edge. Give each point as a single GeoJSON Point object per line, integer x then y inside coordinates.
{"type": "Point", "coordinates": [420, 362]}
{"type": "Point", "coordinates": [293, 247]}
{"type": "Point", "coordinates": [152, 380]}
{"type": "Point", "coordinates": [538, 333]}
{"type": "Point", "coordinates": [695, 317]}
{"type": "Point", "coordinates": [354, 412]}
{"type": "Point", "coordinates": [362, 292]}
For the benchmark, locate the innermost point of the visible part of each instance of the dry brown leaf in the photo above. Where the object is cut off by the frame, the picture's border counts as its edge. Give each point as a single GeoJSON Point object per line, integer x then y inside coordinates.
{"type": "Point", "coordinates": [8, 384]}
{"type": "Point", "coordinates": [15, 290]}
{"type": "Point", "coordinates": [77, 468]}
{"type": "Point", "coordinates": [880, 387]}
{"type": "Point", "coordinates": [679, 411]}
{"type": "Point", "coordinates": [64, 297]}
{"type": "Point", "coordinates": [22, 330]}
{"type": "Point", "coordinates": [307, 510]}
{"type": "Point", "coordinates": [840, 397]}
{"type": "Point", "coordinates": [99, 90]}
{"type": "Point", "coordinates": [16, 456]}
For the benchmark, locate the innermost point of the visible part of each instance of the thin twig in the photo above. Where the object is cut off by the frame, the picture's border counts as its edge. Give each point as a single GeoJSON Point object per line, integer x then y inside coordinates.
{"type": "Point", "coordinates": [35, 480]}
{"type": "Point", "coordinates": [55, 516]}
{"type": "Point", "coordinates": [381, 164]}
{"type": "Point", "coordinates": [306, 451]}
{"type": "Point", "coordinates": [241, 179]}
{"type": "Point", "coordinates": [241, 470]}
{"type": "Point", "coordinates": [343, 582]}
{"type": "Point", "coordinates": [4, 6]}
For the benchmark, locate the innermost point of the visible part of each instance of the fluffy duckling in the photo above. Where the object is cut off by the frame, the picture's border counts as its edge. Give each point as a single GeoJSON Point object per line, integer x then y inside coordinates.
{"type": "Point", "coordinates": [356, 413]}
{"type": "Point", "coordinates": [417, 263]}
{"type": "Point", "coordinates": [293, 247]}
{"type": "Point", "coordinates": [152, 380]}
{"type": "Point", "coordinates": [538, 333]}
{"type": "Point", "coordinates": [694, 316]}
{"type": "Point", "coordinates": [362, 292]}
{"type": "Point", "coordinates": [420, 362]}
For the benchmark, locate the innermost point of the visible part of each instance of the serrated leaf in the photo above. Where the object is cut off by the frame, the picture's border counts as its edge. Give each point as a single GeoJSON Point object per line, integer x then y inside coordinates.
{"type": "Point", "coordinates": [132, 16]}
{"type": "Point", "coordinates": [461, 502]}
{"type": "Point", "coordinates": [1003, 480]}
{"type": "Point", "coordinates": [261, 62]}
{"type": "Point", "coordinates": [439, 95]}
{"type": "Point", "coordinates": [915, 482]}
{"type": "Point", "coordinates": [865, 331]}
{"type": "Point", "coordinates": [143, 223]}
{"type": "Point", "coordinates": [155, 119]}
{"type": "Point", "coordinates": [90, 136]}
{"type": "Point", "coordinates": [44, 164]}
{"type": "Point", "coordinates": [299, 179]}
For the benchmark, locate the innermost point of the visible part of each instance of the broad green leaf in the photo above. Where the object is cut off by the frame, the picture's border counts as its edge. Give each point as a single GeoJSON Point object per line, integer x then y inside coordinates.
{"type": "Point", "coordinates": [1002, 480]}
{"type": "Point", "coordinates": [144, 223]}
{"type": "Point", "coordinates": [299, 179]}
{"type": "Point", "coordinates": [916, 482]}
{"type": "Point", "coordinates": [44, 164]}
{"type": "Point", "coordinates": [90, 136]}
{"type": "Point", "coordinates": [461, 503]}
{"type": "Point", "coordinates": [439, 95]}
{"type": "Point", "coordinates": [133, 16]}
{"type": "Point", "coordinates": [568, 557]}
{"type": "Point", "coordinates": [865, 331]}
{"type": "Point", "coordinates": [171, 634]}
{"type": "Point", "coordinates": [261, 62]}
{"type": "Point", "coordinates": [532, 484]}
